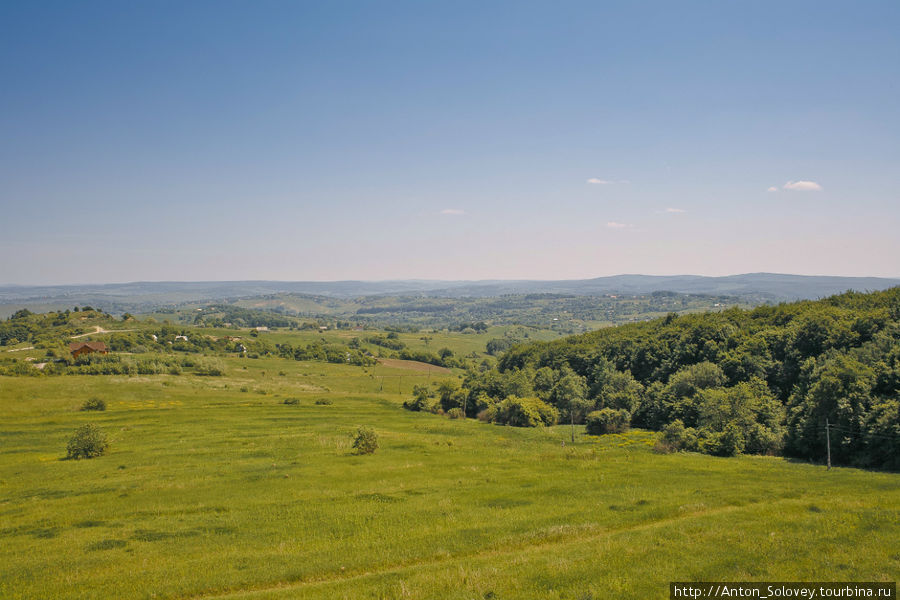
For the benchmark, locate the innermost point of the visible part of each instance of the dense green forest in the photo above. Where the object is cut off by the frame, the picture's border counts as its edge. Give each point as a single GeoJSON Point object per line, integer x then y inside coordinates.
{"type": "Point", "coordinates": [765, 381]}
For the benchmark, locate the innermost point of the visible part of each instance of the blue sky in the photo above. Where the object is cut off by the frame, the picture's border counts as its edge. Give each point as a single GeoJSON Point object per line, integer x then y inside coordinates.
{"type": "Point", "coordinates": [464, 140]}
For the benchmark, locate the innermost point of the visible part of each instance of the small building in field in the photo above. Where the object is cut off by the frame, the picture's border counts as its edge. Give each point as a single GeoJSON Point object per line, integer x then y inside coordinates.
{"type": "Point", "coordinates": [79, 348]}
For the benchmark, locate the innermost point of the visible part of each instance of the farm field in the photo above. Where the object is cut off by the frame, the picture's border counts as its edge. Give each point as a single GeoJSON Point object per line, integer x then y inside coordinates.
{"type": "Point", "coordinates": [213, 487]}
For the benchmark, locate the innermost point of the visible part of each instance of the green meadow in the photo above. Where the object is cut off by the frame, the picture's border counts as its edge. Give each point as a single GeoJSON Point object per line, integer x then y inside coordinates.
{"type": "Point", "coordinates": [213, 487]}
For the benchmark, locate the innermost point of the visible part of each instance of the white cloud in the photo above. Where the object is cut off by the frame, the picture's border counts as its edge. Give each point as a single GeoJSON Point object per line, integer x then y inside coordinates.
{"type": "Point", "coordinates": [772, 189]}
{"type": "Point", "coordinates": [453, 211]}
{"type": "Point", "coordinates": [614, 225]}
{"type": "Point", "coordinates": [598, 181]}
{"type": "Point", "coordinates": [675, 210]}
{"type": "Point", "coordinates": [803, 186]}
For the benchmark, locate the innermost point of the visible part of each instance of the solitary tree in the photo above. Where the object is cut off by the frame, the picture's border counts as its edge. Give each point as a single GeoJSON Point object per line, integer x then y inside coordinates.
{"type": "Point", "coordinates": [569, 393]}
{"type": "Point", "coordinates": [446, 390]}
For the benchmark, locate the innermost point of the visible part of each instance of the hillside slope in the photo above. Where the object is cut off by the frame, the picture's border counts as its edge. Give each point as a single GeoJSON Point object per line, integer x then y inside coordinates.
{"type": "Point", "coordinates": [767, 380]}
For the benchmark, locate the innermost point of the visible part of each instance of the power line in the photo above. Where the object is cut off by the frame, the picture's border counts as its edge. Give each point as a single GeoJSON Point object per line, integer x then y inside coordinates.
{"type": "Point", "coordinates": [847, 431]}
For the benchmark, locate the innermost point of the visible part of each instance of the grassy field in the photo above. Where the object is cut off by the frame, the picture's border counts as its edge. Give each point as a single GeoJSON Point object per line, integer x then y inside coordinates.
{"type": "Point", "coordinates": [214, 488]}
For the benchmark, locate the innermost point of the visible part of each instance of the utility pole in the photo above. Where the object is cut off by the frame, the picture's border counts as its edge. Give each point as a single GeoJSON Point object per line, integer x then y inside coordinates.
{"type": "Point", "coordinates": [828, 441]}
{"type": "Point", "coordinates": [400, 386]}
{"type": "Point", "coordinates": [572, 414]}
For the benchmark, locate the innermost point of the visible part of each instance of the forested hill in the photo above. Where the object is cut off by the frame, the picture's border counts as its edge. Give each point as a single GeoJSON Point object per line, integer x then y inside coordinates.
{"type": "Point", "coordinates": [756, 381]}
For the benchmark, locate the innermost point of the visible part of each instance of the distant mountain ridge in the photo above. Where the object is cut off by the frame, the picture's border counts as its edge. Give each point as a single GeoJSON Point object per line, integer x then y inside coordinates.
{"type": "Point", "coordinates": [756, 287]}
{"type": "Point", "coordinates": [775, 286]}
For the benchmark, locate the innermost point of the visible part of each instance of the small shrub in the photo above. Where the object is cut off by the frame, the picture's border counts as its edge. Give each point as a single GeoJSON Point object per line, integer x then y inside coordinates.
{"type": "Point", "coordinates": [365, 441]}
{"type": "Point", "coordinates": [608, 420]}
{"type": "Point", "coordinates": [524, 412]}
{"type": "Point", "coordinates": [94, 404]}
{"type": "Point", "coordinates": [728, 442]}
{"type": "Point", "coordinates": [417, 403]}
{"type": "Point", "coordinates": [456, 413]}
{"type": "Point", "coordinates": [292, 401]}
{"type": "Point", "coordinates": [89, 441]}
{"type": "Point", "coordinates": [209, 368]}
{"type": "Point", "coordinates": [324, 402]}
{"type": "Point", "coordinates": [675, 436]}
{"type": "Point", "coordinates": [488, 414]}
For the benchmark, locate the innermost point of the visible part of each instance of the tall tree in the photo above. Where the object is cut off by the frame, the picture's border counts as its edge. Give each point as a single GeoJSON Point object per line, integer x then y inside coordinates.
{"type": "Point", "coordinates": [569, 394]}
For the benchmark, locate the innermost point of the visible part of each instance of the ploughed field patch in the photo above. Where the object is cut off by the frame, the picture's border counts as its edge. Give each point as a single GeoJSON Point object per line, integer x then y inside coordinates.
{"type": "Point", "coordinates": [413, 365]}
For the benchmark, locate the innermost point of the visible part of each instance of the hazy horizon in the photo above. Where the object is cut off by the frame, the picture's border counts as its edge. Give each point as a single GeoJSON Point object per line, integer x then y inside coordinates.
{"type": "Point", "coordinates": [426, 280]}
{"type": "Point", "coordinates": [215, 141]}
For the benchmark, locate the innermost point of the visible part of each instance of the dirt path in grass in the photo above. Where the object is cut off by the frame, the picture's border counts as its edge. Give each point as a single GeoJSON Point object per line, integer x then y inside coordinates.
{"type": "Point", "coordinates": [516, 549]}
{"type": "Point", "coordinates": [98, 329]}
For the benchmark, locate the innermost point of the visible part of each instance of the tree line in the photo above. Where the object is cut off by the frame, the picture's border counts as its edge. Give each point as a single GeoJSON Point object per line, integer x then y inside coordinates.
{"type": "Point", "coordinates": [762, 381]}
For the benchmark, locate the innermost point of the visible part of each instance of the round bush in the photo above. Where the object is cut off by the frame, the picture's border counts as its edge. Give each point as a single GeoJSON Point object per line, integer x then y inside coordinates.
{"type": "Point", "coordinates": [418, 403]}
{"type": "Point", "coordinates": [524, 412]}
{"type": "Point", "coordinates": [89, 441]}
{"type": "Point", "coordinates": [456, 413]}
{"type": "Point", "coordinates": [675, 436]}
{"type": "Point", "coordinates": [608, 420]}
{"type": "Point", "coordinates": [94, 404]}
{"type": "Point", "coordinates": [728, 442]}
{"type": "Point", "coordinates": [366, 441]}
